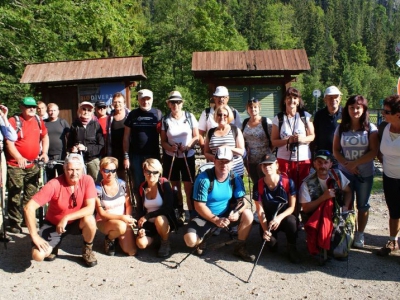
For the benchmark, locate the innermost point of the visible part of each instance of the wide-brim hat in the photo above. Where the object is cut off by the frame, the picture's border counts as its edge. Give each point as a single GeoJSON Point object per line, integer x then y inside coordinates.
{"type": "Point", "coordinates": [332, 90]}
{"type": "Point", "coordinates": [174, 96]}
{"type": "Point", "coordinates": [221, 91]}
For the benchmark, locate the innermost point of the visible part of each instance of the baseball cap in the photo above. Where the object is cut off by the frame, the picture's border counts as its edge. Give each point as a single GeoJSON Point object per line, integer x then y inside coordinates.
{"type": "Point", "coordinates": [29, 101]}
{"type": "Point", "coordinates": [145, 93]}
{"type": "Point", "coordinates": [224, 153]}
{"type": "Point", "coordinates": [268, 159]}
{"type": "Point", "coordinates": [332, 90]}
{"type": "Point", "coordinates": [100, 104]}
{"type": "Point", "coordinates": [87, 103]}
{"type": "Point", "coordinates": [174, 96]}
{"type": "Point", "coordinates": [324, 154]}
{"type": "Point", "coordinates": [221, 91]}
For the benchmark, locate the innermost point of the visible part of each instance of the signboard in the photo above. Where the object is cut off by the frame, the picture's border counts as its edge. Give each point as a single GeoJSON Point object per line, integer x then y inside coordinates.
{"type": "Point", "coordinates": [316, 93]}
{"type": "Point", "coordinates": [99, 92]}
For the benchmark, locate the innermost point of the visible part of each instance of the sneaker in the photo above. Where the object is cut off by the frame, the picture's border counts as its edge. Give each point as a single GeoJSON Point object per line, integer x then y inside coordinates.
{"type": "Point", "coordinates": [182, 217]}
{"type": "Point", "coordinates": [165, 248]}
{"type": "Point", "coordinates": [201, 249]}
{"type": "Point", "coordinates": [109, 246]}
{"type": "Point", "coordinates": [217, 232]}
{"type": "Point", "coordinates": [241, 251]}
{"type": "Point", "coordinates": [88, 255]}
{"type": "Point", "coordinates": [391, 246]}
{"type": "Point", "coordinates": [293, 255]}
{"type": "Point", "coordinates": [53, 255]}
{"type": "Point", "coordinates": [233, 230]}
{"type": "Point", "coordinates": [358, 240]}
{"type": "Point", "coordinates": [255, 218]}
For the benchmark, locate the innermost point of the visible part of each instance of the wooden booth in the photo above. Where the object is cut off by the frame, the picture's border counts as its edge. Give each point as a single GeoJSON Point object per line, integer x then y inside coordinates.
{"type": "Point", "coordinates": [67, 83]}
{"type": "Point", "coordinates": [262, 74]}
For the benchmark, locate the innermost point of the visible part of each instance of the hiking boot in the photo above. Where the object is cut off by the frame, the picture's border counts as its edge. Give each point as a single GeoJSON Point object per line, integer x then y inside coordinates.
{"type": "Point", "coordinates": [53, 255]}
{"type": "Point", "coordinates": [241, 251]}
{"type": "Point", "coordinates": [109, 246]}
{"type": "Point", "coordinates": [165, 248]}
{"type": "Point", "coordinates": [293, 254]}
{"type": "Point", "coordinates": [201, 249]}
{"type": "Point", "coordinates": [390, 247]}
{"type": "Point", "coordinates": [88, 255]}
{"type": "Point", "coordinates": [358, 240]}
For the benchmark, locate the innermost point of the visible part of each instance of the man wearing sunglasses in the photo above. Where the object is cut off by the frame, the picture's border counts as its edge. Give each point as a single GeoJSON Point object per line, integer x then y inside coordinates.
{"type": "Point", "coordinates": [20, 154]}
{"type": "Point", "coordinates": [71, 200]}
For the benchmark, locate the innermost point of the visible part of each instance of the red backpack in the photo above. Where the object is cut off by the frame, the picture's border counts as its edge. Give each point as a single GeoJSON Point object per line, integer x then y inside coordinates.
{"type": "Point", "coordinates": [284, 182]}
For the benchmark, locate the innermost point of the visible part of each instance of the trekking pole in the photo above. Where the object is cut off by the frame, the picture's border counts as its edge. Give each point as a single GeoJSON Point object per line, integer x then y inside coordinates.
{"type": "Point", "coordinates": [170, 168]}
{"type": "Point", "coordinates": [131, 193]}
{"type": "Point", "coordinates": [205, 239]}
{"type": "Point", "coordinates": [187, 166]}
{"type": "Point", "coordinates": [280, 205]}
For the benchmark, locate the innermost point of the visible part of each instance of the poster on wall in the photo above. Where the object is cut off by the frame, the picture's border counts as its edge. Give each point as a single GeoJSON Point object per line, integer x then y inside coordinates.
{"type": "Point", "coordinates": [100, 92]}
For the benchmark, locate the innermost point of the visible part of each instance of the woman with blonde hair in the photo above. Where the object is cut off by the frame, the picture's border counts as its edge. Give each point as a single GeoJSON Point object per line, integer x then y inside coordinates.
{"type": "Point", "coordinates": [114, 210]}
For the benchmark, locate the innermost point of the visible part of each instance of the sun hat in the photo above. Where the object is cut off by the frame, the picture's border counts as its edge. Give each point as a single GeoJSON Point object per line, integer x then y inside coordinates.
{"type": "Point", "coordinates": [221, 91]}
{"type": "Point", "coordinates": [174, 96]}
{"type": "Point", "coordinates": [332, 90]}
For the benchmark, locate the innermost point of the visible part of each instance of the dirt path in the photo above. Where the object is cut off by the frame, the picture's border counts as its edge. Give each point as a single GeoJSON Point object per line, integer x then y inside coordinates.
{"type": "Point", "coordinates": [216, 275]}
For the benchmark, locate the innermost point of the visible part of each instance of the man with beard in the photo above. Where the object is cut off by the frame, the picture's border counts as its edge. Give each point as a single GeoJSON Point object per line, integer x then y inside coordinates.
{"type": "Point", "coordinates": [71, 199]}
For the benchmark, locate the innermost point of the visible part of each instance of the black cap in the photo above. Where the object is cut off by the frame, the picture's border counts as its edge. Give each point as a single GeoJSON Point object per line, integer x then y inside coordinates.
{"type": "Point", "coordinates": [268, 159]}
{"type": "Point", "coordinates": [100, 104]}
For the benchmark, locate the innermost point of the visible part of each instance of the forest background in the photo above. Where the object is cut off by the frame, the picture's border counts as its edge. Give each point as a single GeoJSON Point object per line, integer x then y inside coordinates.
{"type": "Point", "coordinates": [349, 43]}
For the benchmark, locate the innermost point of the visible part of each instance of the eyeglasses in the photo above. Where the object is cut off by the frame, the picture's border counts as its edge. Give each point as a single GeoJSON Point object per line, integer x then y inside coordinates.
{"type": "Point", "coordinates": [387, 112]}
{"type": "Point", "coordinates": [253, 100]}
{"type": "Point", "coordinates": [30, 106]}
{"type": "Point", "coordinates": [323, 153]}
{"type": "Point", "coordinates": [86, 109]}
{"type": "Point", "coordinates": [175, 102]}
{"type": "Point", "coordinates": [73, 198]}
{"type": "Point", "coordinates": [151, 172]}
{"type": "Point", "coordinates": [108, 171]}
{"type": "Point", "coordinates": [222, 115]}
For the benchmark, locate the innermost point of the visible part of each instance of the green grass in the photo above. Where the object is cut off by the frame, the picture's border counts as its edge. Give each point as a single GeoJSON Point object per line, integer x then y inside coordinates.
{"type": "Point", "coordinates": [377, 186]}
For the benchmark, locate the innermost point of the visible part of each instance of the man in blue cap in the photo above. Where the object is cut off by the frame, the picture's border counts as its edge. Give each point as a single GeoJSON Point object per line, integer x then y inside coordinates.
{"type": "Point", "coordinates": [20, 154]}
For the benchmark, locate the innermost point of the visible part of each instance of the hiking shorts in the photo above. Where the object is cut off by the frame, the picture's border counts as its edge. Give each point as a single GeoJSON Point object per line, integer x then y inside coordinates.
{"type": "Point", "coordinates": [391, 189]}
{"type": "Point", "coordinates": [48, 232]}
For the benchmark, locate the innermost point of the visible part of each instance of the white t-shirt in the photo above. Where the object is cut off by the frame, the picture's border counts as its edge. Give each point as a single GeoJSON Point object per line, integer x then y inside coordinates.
{"type": "Point", "coordinates": [179, 131]}
{"type": "Point", "coordinates": [206, 125]}
{"type": "Point", "coordinates": [305, 193]}
{"type": "Point", "coordinates": [291, 126]}
{"type": "Point", "coordinates": [390, 149]}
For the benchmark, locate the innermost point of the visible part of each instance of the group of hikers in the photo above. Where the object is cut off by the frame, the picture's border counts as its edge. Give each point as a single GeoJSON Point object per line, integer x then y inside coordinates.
{"type": "Point", "coordinates": [302, 171]}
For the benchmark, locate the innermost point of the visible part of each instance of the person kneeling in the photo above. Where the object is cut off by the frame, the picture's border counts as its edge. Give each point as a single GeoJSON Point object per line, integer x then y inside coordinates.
{"type": "Point", "coordinates": [275, 199]}
{"type": "Point", "coordinates": [71, 198]}
{"type": "Point", "coordinates": [214, 207]}
{"type": "Point", "coordinates": [155, 208]}
{"type": "Point", "coordinates": [114, 210]}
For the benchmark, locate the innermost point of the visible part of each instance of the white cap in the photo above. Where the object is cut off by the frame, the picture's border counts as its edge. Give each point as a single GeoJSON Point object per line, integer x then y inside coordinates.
{"type": "Point", "coordinates": [224, 153]}
{"type": "Point", "coordinates": [332, 90]}
{"type": "Point", "coordinates": [174, 96]}
{"type": "Point", "coordinates": [86, 103]}
{"type": "Point", "coordinates": [145, 93]}
{"type": "Point", "coordinates": [221, 91]}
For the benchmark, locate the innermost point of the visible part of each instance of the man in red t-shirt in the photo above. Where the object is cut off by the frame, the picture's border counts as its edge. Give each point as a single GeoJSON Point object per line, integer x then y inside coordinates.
{"type": "Point", "coordinates": [22, 173]}
{"type": "Point", "coordinates": [71, 199]}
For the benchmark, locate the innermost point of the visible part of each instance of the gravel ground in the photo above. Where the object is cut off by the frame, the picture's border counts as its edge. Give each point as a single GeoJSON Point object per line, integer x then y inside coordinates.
{"type": "Point", "coordinates": [216, 275]}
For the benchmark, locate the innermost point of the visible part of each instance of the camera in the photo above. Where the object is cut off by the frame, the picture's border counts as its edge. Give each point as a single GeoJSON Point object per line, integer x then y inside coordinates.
{"type": "Point", "coordinates": [293, 147]}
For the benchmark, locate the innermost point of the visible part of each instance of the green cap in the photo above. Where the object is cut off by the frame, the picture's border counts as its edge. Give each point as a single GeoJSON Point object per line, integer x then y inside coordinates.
{"type": "Point", "coordinates": [29, 101]}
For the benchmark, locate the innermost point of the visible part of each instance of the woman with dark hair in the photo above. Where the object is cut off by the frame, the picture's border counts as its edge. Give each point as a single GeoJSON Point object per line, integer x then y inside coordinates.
{"type": "Point", "coordinates": [390, 158]}
{"type": "Point", "coordinates": [292, 132]}
{"type": "Point", "coordinates": [257, 135]}
{"type": "Point", "coordinates": [355, 145]}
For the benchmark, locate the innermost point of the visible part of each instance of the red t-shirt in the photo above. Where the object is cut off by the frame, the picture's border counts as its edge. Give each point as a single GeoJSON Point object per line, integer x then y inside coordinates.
{"type": "Point", "coordinates": [29, 137]}
{"type": "Point", "coordinates": [58, 194]}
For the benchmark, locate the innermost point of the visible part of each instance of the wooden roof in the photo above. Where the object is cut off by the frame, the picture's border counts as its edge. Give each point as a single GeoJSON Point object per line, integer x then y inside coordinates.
{"type": "Point", "coordinates": [126, 68]}
{"type": "Point", "coordinates": [249, 63]}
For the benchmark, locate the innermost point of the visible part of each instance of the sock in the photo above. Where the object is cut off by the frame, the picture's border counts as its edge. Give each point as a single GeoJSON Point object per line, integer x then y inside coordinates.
{"type": "Point", "coordinates": [393, 238]}
{"type": "Point", "coordinates": [88, 244]}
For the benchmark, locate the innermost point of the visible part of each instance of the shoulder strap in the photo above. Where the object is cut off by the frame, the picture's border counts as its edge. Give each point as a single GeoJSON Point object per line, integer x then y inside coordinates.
{"type": "Point", "coordinates": [208, 110]}
{"type": "Point", "coordinates": [285, 183]}
{"type": "Point", "coordinates": [280, 119]}
{"type": "Point", "coordinates": [210, 175]}
{"type": "Point", "coordinates": [189, 119]}
{"type": "Point", "coordinates": [303, 118]}
{"type": "Point", "coordinates": [234, 131]}
{"type": "Point", "coordinates": [336, 177]}
{"type": "Point", "coordinates": [245, 121]}
{"type": "Point", "coordinates": [210, 133]}
{"type": "Point", "coordinates": [141, 187]}
{"type": "Point", "coordinates": [164, 120]}
{"type": "Point", "coordinates": [260, 187]}
{"type": "Point", "coordinates": [159, 114]}
{"type": "Point", "coordinates": [17, 123]}
{"type": "Point", "coordinates": [265, 127]}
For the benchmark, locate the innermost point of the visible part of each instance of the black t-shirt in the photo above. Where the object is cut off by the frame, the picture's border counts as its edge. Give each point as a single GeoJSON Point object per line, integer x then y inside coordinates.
{"type": "Point", "coordinates": [324, 127]}
{"type": "Point", "coordinates": [57, 131]}
{"type": "Point", "coordinates": [117, 137]}
{"type": "Point", "coordinates": [144, 135]}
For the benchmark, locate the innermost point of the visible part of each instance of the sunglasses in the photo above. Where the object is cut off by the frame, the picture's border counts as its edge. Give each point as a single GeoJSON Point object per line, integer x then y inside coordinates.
{"type": "Point", "coordinates": [386, 112]}
{"type": "Point", "coordinates": [108, 171]}
{"type": "Point", "coordinates": [30, 106]}
{"type": "Point", "coordinates": [101, 107]}
{"type": "Point", "coordinates": [151, 172]}
{"type": "Point", "coordinates": [73, 198]}
{"type": "Point", "coordinates": [175, 102]}
{"type": "Point", "coordinates": [253, 100]}
{"type": "Point", "coordinates": [222, 115]}
{"type": "Point", "coordinates": [87, 109]}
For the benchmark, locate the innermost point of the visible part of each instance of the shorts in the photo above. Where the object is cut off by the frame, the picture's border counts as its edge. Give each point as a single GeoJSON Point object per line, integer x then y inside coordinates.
{"type": "Point", "coordinates": [48, 232]}
{"type": "Point", "coordinates": [391, 189]}
{"type": "Point", "coordinates": [179, 170]}
{"type": "Point", "coordinates": [150, 229]}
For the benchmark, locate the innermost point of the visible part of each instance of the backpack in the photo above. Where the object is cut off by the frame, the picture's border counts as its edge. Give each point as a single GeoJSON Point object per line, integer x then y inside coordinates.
{"type": "Point", "coordinates": [18, 123]}
{"type": "Point", "coordinates": [233, 128]}
{"type": "Point", "coordinates": [187, 116]}
{"type": "Point", "coordinates": [208, 110]}
{"type": "Point", "coordinates": [264, 125]}
{"type": "Point", "coordinates": [302, 117]}
{"type": "Point", "coordinates": [284, 182]}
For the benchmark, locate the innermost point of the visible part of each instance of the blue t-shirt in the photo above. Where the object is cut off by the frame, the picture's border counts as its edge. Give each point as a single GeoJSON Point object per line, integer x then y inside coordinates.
{"type": "Point", "coordinates": [218, 199]}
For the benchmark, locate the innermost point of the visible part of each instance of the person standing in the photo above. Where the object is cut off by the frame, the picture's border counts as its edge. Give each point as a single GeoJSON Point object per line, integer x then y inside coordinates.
{"type": "Point", "coordinates": [326, 120]}
{"type": "Point", "coordinates": [141, 136]}
{"type": "Point", "coordinates": [58, 130]}
{"type": "Point", "coordinates": [42, 110]}
{"type": "Point", "coordinates": [86, 138]}
{"type": "Point", "coordinates": [6, 132]}
{"type": "Point", "coordinates": [115, 131]}
{"type": "Point", "coordinates": [21, 170]}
